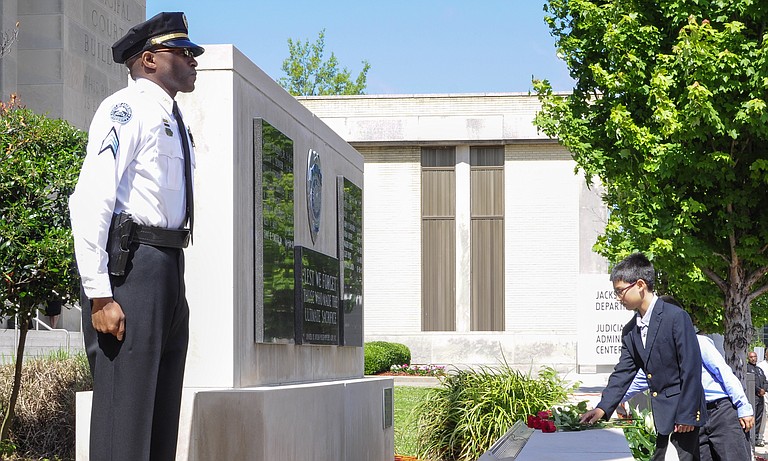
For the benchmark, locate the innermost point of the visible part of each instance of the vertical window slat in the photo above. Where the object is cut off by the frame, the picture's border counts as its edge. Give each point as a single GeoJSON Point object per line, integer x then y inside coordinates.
{"type": "Point", "coordinates": [438, 239]}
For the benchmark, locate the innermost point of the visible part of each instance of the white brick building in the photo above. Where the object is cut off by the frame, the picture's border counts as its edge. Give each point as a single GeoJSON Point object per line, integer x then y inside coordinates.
{"type": "Point", "coordinates": [478, 231]}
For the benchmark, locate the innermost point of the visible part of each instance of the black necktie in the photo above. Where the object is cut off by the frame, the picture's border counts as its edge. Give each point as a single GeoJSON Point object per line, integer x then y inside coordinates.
{"type": "Point", "coordinates": [187, 168]}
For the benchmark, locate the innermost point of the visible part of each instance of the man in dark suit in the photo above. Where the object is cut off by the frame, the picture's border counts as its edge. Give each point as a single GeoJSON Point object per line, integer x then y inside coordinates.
{"type": "Point", "coordinates": [661, 340]}
{"type": "Point", "coordinates": [761, 383]}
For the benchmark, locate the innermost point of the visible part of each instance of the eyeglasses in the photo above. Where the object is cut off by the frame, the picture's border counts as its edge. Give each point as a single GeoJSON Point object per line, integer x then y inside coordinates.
{"type": "Point", "coordinates": [621, 291]}
{"type": "Point", "coordinates": [177, 51]}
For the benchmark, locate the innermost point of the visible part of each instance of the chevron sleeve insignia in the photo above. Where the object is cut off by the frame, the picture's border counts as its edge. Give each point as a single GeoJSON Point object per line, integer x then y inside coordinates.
{"type": "Point", "coordinates": [111, 143]}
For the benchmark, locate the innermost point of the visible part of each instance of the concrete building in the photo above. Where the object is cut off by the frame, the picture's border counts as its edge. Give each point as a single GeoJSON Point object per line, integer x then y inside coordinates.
{"type": "Point", "coordinates": [61, 63]}
{"type": "Point", "coordinates": [478, 231]}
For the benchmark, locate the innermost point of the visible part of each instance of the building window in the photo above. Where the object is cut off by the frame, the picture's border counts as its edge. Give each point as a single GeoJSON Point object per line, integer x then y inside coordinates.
{"type": "Point", "coordinates": [487, 238]}
{"type": "Point", "coordinates": [438, 239]}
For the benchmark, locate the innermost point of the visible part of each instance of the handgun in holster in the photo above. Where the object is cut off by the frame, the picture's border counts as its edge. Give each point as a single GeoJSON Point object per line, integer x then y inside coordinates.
{"type": "Point", "coordinates": [119, 242]}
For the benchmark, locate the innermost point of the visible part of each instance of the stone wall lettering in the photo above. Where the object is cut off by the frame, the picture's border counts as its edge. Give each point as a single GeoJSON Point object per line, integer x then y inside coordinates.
{"type": "Point", "coordinates": [318, 298]}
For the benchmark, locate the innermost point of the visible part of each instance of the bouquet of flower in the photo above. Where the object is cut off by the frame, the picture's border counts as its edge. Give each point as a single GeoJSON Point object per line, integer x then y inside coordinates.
{"type": "Point", "coordinates": [542, 421]}
{"type": "Point", "coordinates": [568, 418]}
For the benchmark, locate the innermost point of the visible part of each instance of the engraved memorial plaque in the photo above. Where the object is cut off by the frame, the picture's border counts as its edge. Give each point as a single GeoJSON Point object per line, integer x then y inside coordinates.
{"type": "Point", "coordinates": [317, 300]}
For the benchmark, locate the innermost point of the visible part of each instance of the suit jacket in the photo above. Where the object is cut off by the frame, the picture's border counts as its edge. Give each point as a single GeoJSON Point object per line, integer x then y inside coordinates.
{"type": "Point", "coordinates": [761, 382]}
{"type": "Point", "coordinates": [672, 362]}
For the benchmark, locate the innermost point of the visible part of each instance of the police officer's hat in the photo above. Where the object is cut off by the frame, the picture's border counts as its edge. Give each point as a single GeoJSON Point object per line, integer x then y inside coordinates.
{"type": "Point", "coordinates": [164, 29]}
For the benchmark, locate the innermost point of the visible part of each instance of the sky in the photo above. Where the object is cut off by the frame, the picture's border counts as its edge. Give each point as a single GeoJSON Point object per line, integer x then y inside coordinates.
{"type": "Point", "coordinates": [413, 46]}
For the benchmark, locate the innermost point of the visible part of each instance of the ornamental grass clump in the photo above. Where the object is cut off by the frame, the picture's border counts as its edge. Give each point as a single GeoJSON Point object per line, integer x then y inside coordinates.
{"type": "Point", "coordinates": [44, 422]}
{"type": "Point", "coordinates": [473, 408]}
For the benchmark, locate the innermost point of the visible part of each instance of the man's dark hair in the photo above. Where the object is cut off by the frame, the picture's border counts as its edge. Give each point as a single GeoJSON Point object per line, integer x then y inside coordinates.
{"type": "Point", "coordinates": [633, 268]}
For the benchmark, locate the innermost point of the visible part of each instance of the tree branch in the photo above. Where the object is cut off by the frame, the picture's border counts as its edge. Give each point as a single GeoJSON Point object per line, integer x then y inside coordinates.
{"type": "Point", "coordinates": [8, 40]}
{"type": "Point", "coordinates": [716, 278]}
{"type": "Point", "coordinates": [755, 276]}
{"type": "Point", "coordinates": [759, 292]}
{"type": "Point", "coordinates": [725, 260]}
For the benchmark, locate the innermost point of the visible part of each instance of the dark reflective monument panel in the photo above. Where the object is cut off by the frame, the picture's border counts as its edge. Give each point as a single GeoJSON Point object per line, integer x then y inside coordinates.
{"type": "Point", "coordinates": [350, 206]}
{"type": "Point", "coordinates": [275, 150]}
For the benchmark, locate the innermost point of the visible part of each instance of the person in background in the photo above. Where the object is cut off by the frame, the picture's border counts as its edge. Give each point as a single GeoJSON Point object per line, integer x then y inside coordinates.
{"type": "Point", "coordinates": [763, 365]}
{"type": "Point", "coordinates": [729, 414]}
{"type": "Point", "coordinates": [658, 333]}
{"type": "Point", "coordinates": [760, 386]}
{"type": "Point", "coordinates": [53, 311]}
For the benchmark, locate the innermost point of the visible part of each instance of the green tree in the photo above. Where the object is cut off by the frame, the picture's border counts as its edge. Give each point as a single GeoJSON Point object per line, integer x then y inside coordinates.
{"type": "Point", "coordinates": [39, 162]}
{"type": "Point", "coordinates": [307, 74]}
{"type": "Point", "coordinates": [669, 113]}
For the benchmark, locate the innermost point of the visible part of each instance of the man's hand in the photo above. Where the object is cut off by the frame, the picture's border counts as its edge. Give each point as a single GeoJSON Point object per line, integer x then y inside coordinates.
{"type": "Point", "coordinates": [684, 428]}
{"type": "Point", "coordinates": [761, 392]}
{"type": "Point", "coordinates": [747, 423]}
{"type": "Point", "coordinates": [592, 416]}
{"type": "Point", "coordinates": [107, 317]}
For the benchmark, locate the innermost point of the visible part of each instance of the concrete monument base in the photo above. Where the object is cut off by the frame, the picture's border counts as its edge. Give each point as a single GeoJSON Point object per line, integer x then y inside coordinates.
{"type": "Point", "coordinates": [335, 420]}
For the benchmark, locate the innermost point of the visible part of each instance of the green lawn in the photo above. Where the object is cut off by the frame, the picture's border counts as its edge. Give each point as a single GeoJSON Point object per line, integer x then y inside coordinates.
{"type": "Point", "coordinates": [406, 399]}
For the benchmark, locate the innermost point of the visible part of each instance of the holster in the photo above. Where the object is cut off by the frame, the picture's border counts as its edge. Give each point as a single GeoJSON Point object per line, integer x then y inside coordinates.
{"type": "Point", "coordinates": [118, 243]}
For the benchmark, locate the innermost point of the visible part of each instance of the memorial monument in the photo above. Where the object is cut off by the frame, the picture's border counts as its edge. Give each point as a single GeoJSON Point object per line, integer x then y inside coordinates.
{"type": "Point", "coordinates": [274, 275]}
{"type": "Point", "coordinates": [61, 63]}
{"type": "Point", "coordinates": [274, 281]}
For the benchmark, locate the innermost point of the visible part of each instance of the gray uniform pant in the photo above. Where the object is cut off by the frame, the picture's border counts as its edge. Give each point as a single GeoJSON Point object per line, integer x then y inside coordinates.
{"type": "Point", "coordinates": [686, 444]}
{"type": "Point", "coordinates": [722, 438]}
{"type": "Point", "coordinates": [138, 381]}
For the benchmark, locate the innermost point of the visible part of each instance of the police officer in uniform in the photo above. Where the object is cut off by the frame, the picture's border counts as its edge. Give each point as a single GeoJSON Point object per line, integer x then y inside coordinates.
{"type": "Point", "coordinates": [132, 214]}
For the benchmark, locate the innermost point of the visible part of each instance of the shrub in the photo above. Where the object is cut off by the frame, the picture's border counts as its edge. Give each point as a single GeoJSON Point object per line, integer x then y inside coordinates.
{"type": "Point", "coordinates": [39, 163]}
{"type": "Point", "coordinates": [40, 159]}
{"type": "Point", "coordinates": [381, 355]}
{"type": "Point", "coordinates": [473, 408]}
{"type": "Point", "coordinates": [44, 425]}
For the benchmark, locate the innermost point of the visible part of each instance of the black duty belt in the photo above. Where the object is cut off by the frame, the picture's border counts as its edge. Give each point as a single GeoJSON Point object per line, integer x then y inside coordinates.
{"type": "Point", "coordinates": [161, 237]}
{"type": "Point", "coordinates": [716, 403]}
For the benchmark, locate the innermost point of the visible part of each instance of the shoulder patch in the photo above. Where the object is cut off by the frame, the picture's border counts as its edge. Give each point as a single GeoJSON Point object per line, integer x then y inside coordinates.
{"type": "Point", "coordinates": [121, 113]}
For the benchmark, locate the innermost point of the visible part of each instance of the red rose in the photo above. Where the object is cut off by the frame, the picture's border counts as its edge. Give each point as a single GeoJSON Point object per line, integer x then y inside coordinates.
{"type": "Point", "coordinates": [548, 426]}
{"type": "Point", "coordinates": [544, 414]}
{"type": "Point", "coordinates": [531, 421]}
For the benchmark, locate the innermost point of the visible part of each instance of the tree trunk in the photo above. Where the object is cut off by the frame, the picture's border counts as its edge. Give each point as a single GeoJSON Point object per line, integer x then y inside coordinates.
{"type": "Point", "coordinates": [737, 317]}
{"type": "Point", "coordinates": [8, 419]}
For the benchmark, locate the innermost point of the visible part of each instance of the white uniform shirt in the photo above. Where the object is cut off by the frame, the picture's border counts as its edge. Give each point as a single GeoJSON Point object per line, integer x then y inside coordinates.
{"type": "Point", "coordinates": [134, 163]}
